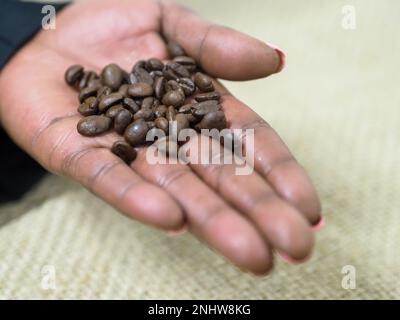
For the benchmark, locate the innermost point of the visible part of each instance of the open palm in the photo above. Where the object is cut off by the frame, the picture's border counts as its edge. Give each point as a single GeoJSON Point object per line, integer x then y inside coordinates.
{"type": "Point", "coordinates": [245, 218]}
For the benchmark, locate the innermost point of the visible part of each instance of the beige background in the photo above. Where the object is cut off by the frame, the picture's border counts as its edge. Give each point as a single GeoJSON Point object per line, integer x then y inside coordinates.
{"type": "Point", "coordinates": [336, 105]}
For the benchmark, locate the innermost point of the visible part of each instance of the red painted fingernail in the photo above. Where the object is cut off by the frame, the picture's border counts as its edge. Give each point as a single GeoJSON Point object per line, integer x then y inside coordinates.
{"type": "Point", "coordinates": [281, 54]}
{"type": "Point", "coordinates": [319, 225]}
{"type": "Point", "coordinates": [178, 232]}
{"type": "Point", "coordinates": [290, 260]}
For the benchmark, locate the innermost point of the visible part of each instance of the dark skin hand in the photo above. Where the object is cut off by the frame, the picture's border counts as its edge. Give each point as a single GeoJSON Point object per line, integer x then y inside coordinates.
{"type": "Point", "coordinates": [244, 218]}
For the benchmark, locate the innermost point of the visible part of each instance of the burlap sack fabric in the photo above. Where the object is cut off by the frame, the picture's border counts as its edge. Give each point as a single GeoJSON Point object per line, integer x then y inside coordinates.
{"type": "Point", "coordinates": [336, 105]}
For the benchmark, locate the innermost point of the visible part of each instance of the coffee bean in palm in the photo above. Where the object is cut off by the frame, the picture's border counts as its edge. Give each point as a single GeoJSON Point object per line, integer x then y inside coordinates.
{"type": "Point", "coordinates": [174, 70]}
{"type": "Point", "coordinates": [159, 87]}
{"type": "Point", "coordinates": [140, 89]}
{"type": "Point", "coordinates": [202, 108]}
{"type": "Point", "coordinates": [213, 120]}
{"type": "Point", "coordinates": [156, 74]}
{"type": "Point", "coordinates": [124, 151]}
{"type": "Point", "coordinates": [89, 107]}
{"type": "Point", "coordinates": [182, 122]}
{"type": "Point", "coordinates": [145, 114]}
{"type": "Point", "coordinates": [151, 124]}
{"type": "Point", "coordinates": [187, 108]}
{"type": "Point", "coordinates": [110, 100]}
{"type": "Point", "coordinates": [203, 82]}
{"type": "Point", "coordinates": [142, 75]}
{"type": "Point", "coordinates": [122, 120]}
{"type": "Point", "coordinates": [173, 98]}
{"type": "Point", "coordinates": [130, 105]}
{"type": "Point", "coordinates": [188, 62]}
{"type": "Point", "coordinates": [170, 114]}
{"type": "Point", "coordinates": [114, 110]}
{"type": "Point", "coordinates": [160, 111]}
{"type": "Point", "coordinates": [88, 92]}
{"type": "Point", "coordinates": [214, 95]}
{"type": "Point", "coordinates": [139, 64]}
{"type": "Point", "coordinates": [162, 123]}
{"type": "Point", "coordinates": [112, 76]}
{"type": "Point", "coordinates": [154, 64]}
{"type": "Point", "coordinates": [191, 118]}
{"type": "Point", "coordinates": [135, 133]}
{"type": "Point", "coordinates": [103, 91]}
{"type": "Point", "coordinates": [87, 77]}
{"type": "Point", "coordinates": [124, 90]}
{"type": "Point", "coordinates": [187, 86]}
{"type": "Point", "coordinates": [94, 125]}
{"type": "Point", "coordinates": [147, 103]}
{"type": "Point", "coordinates": [175, 49]}
{"type": "Point", "coordinates": [73, 74]}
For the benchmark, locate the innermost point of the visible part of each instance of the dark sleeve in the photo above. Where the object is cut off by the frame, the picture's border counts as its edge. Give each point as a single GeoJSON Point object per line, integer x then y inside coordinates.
{"type": "Point", "coordinates": [19, 22]}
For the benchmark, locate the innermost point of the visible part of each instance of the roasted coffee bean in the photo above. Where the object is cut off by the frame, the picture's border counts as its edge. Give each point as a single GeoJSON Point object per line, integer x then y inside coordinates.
{"type": "Point", "coordinates": [162, 123]}
{"type": "Point", "coordinates": [88, 92]}
{"type": "Point", "coordinates": [123, 150]}
{"type": "Point", "coordinates": [154, 64]}
{"type": "Point", "coordinates": [203, 82]}
{"type": "Point", "coordinates": [87, 77]}
{"type": "Point", "coordinates": [103, 91]}
{"type": "Point", "coordinates": [187, 86]}
{"type": "Point", "coordinates": [155, 104]}
{"type": "Point", "coordinates": [191, 118]}
{"type": "Point", "coordinates": [112, 76]}
{"type": "Point", "coordinates": [156, 74]}
{"type": "Point", "coordinates": [122, 120]}
{"type": "Point", "coordinates": [94, 125]}
{"type": "Point", "coordinates": [130, 105]}
{"type": "Point", "coordinates": [187, 108]}
{"type": "Point", "coordinates": [145, 114]}
{"type": "Point", "coordinates": [173, 85]}
{"type": "Point", "coordinates": [188, 62]}
{"type": "Point", "coordinates": [175, 49]}
{"type": "Point", "coordinates": [139, 64]}
{"type": "Point", "coordinates": [170, 114]}
{"type": "Point", "coordinates": [132, 78]}
{"type": "Point", "coordinates": [140, 89]}
{"type": "Point", "coordinates": [89, 107]}
{"type": "Point", "coordinates": [94, 82]}
{"type": "Point", "coordinates": [147, 103]}
{"type": "Point", "coordinates": [160, 111]}
{"type": "Point", "coordinates": [142, 75]}
{"type": "Point", "coordinates": [173, 98]}
{"type": "Point", "coordinates": [182, 122]}
{"type": "Point", "coordinates": [150, 124]}
{"type": "Point", "coordinates": [110, 100]}
{"type": "Point", "coordinates": [124, 89]}
{"type": "Point", "coordinates": [213, 120]}
{"type": "Point", "coordinates": [174, 71]}
{"type": "Point", "coordinates": [73, 74]}
{"type": "Point", "coordinates": [159, 87]}
{"type": "Point", "coordinates": [207, 96]}
{"type": "Point", "coordinates": [135, 133]}
{"type": "Point", "coordinates": [202, 108]}
{"type": "Point", "coordinates": [114, 110]}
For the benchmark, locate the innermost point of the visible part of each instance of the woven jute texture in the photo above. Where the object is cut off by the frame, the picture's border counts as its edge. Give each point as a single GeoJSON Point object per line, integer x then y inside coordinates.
{"type": "Point", "coordinates": [337, 105]}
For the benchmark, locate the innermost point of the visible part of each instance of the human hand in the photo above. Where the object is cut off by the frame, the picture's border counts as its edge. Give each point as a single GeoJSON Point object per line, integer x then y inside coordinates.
{"type": "Point", "coordinates": [245, 218]}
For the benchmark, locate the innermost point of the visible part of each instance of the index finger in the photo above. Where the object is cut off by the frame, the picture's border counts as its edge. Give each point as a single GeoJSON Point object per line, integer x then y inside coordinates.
{"type": "Point", "coordinates": [221, 51]}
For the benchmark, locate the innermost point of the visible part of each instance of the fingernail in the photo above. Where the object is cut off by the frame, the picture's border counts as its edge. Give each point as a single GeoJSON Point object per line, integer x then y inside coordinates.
{"type": "Point", "coordinates": [290, 260]}
{"type": "Point", "coordinates": [178, 232]}
{"type": "Point", "coordinates": [281, 54]}
{"type": "Point", "coordinates": [319, 225]}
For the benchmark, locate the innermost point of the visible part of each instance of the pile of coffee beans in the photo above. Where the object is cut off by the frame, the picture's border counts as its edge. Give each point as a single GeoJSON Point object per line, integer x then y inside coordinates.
{"type": "Point", "coordinates": [151, 96]}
